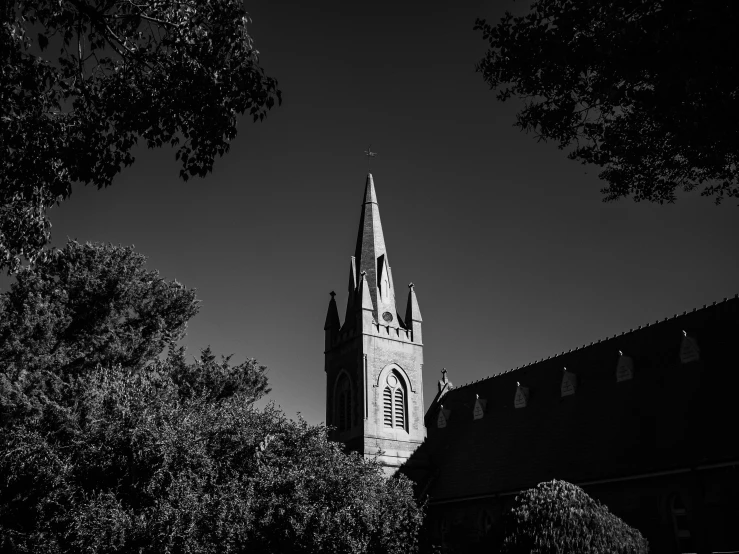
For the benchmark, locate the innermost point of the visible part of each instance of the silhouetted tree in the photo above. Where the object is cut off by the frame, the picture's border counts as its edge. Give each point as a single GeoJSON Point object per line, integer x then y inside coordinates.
{"type": "Point", "coordinates": [82, 81]}
{"type": "Point", "coordinates": [557, 517]}
{"type": "Point", "coordinates": [108, 445]}
{"type": "Point", "coordinates": [648, 90]}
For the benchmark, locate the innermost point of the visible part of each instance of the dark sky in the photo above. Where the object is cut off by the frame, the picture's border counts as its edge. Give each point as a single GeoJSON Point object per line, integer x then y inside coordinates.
{"type": "Point", "coordinates": [513, 253]}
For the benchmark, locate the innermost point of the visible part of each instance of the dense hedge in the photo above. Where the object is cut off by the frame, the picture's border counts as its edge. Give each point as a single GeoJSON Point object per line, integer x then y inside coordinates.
{"type": "Point", "coordinates": [557, 517]}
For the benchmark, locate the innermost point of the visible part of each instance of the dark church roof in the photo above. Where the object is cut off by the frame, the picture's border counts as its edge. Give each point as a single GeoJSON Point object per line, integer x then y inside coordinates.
{"type": "Point", "coordinates": [671, 415]}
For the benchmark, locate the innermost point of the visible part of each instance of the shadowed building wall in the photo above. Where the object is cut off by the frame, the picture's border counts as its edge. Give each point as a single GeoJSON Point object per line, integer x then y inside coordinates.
{"type": "Point", "coordinates": [644, 421]}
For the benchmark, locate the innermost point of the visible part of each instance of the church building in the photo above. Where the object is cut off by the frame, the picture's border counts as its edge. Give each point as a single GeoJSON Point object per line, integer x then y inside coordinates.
{"type": "Point", "coordinates": [644, 421]}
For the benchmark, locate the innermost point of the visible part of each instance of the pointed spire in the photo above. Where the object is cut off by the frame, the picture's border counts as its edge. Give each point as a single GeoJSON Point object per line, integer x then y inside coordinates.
{"type": "Point", "coordinates": [332, 325]}
{"type": "Point", "coordinates": [413, 317]}
{"type": "Point", "coordinates": [369, 190]}
{"type": "Point", "coordinates": [371, 257]}
{"type": "Point", "coordinates": [332, 316]}
{"type": "Point", "coordinates": [352, 276]}
{"type": "Point", "coordinates": [412, 311]}
{"type": "Point", "coordinates": [349, 318]}
{"type": "Point", "coordinates": [364, 314]}
{"type": "Point", "coordinates": [366, 298]}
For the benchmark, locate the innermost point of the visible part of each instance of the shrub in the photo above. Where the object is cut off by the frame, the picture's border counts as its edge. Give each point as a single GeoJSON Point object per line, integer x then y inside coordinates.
{"type": "Point", "coordinates": [558, 517]}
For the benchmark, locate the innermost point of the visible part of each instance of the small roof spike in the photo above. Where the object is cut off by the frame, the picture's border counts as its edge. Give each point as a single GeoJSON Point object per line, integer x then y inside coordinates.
{"type": "Point", "coordinates": [366, 298]}
{"type": "Point", "coordinates": [332, 316]}
{"type": "Point", "coordinates": [412, 311]}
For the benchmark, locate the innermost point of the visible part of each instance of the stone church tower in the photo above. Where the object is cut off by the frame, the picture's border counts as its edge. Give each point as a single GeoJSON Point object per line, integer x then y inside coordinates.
{"type": "Point", "coordinates": [374, 361]}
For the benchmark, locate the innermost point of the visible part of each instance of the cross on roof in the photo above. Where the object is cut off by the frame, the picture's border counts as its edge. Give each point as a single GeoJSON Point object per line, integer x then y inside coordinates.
{"type": "Point", "coordinates": [370, 154]}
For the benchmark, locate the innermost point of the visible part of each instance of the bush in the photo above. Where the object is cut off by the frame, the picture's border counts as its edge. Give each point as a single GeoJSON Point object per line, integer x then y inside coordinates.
{"type": "Point", "coordinates": [558, 517]}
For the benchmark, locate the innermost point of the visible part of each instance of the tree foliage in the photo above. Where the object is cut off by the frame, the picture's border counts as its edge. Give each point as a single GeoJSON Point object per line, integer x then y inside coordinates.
{"type": "Point", "coordinates": [82, 81]}
{"type": "Point", "coordinates": [108, 445]}
{"type": "Point", "coordinates": [133, 465]}
{"type": "Point", "coordinates": [647, 90]}
{"type": "Point", "coordinates": [87, 305]}
{"type": "Point", "coordinates": [558, 517]}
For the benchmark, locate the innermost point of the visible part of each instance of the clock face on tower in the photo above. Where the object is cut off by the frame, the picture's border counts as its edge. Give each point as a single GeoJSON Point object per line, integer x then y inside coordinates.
{"type": "Point", "coordinates": [387, 316]}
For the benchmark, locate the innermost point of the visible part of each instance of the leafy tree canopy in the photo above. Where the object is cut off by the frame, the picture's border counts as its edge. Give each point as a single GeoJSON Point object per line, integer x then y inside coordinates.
{"type": "Point", "coordinates": [87, 305]}
{"type": "Point", "coordinates": [647, 90]}
{"type": "Point", "coordinates": [557, 517]}
{"type": "Point", "coordinates": [108, 445]}
{"type": "Point", "coordinates": [131, 464]}
{"type": "Point", "coordinates": [82, 81]}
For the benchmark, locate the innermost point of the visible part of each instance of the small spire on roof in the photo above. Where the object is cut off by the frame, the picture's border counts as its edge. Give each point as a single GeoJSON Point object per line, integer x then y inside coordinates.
{"type": "Point", "coordinates": [366, 298]}
{"type": "Point", "coordinates": [332, 316]}
{"type": "Point", "coordinates": [412, 311]}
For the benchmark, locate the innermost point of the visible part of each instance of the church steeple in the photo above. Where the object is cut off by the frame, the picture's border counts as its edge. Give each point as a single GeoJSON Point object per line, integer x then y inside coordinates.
{"type": "Point", "coordinates": [371, 257]}
{"type": "Point", "coordinates": [374, 362]}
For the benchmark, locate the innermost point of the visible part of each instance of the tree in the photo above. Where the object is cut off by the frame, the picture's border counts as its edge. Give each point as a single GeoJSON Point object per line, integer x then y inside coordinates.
{"type": "Point", "coordinates": [81, 82]}
{"type": "Point", "coordinates": [87, 305]}
{"type": "Point", "coordinates": [647, 90]}
{"type": "Point", "coordinates": [558, 517]}
{"type": "Point", "coordinates": [107, 444]}
{"type": "Point", "coordinates": [138, 467]}
{"type": "Point", "coordinates": [91, 306]}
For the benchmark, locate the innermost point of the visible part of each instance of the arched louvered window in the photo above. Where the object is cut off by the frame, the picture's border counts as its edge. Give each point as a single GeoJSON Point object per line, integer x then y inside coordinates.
{"type": "Point", "coordinates": [399, 408]}
{"type": "Point", "coordinates": [343, 410]}
{"type": "Point", "coordinates": [395, 408]}
{"type": "Point", "coordinates": [387, 397]}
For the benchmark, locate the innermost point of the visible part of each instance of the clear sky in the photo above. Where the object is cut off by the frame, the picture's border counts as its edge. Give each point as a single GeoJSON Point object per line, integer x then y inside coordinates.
{"type": "Point", "coordinates": [513, 253]}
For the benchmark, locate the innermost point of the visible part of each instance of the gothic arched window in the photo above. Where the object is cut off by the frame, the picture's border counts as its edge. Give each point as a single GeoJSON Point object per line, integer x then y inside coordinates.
{"type": "Point", "coordinates": [343, 409]}
{"type": "Point", "coordinates": [394, 402]}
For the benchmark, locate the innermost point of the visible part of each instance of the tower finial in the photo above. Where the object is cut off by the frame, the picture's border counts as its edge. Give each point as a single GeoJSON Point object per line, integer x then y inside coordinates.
{"type": "Point", "coordinates": [370, 154]}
